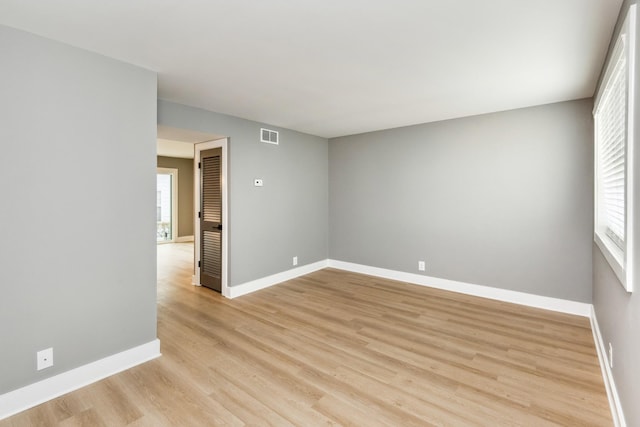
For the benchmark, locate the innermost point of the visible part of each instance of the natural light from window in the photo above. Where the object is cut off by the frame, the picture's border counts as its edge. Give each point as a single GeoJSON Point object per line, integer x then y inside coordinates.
{"type": "Point", "coordinates": [614, 144]}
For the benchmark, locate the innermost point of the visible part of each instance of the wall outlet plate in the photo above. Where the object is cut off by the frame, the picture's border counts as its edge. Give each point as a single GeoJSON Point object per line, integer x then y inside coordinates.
{"type": "Point", "coordinates": [257, 182]}
{"type": "Point", "coordinates": [295, 260]}
{"type": "Point", "coordinates": [44, 358]}
{"type": "Point", "coordinates": [421, 266]}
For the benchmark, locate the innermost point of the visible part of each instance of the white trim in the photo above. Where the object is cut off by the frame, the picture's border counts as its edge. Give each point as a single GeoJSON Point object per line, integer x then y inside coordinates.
{"type": "Point", "coordinates": [522, 298]}
{"type": "Point", "coordinates": [34, 394]}
{"type": "Point", "coordinates": [612, 393]}
{"type": "Point", "coordinates": [173, 172]}
{"type": "Point", "coordinates": [613, 255]}
{"type": "Point", "coordinates": [265, 282]}
{"type": "Point", "coordinates": [184, 239]}
{"type": "Point", "coordinates": [219, 143]}
{"type": "Point", "coordinates": [632, 158]}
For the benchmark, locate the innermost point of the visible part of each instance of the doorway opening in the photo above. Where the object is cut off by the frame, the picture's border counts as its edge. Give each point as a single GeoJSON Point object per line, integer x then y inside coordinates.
{"type": "Point", "coordinates": [174, 146]}
{"type": "Point", "coordinates": [166, 205]}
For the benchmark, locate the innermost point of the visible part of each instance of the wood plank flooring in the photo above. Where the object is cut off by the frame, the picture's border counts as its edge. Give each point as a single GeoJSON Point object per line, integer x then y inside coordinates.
{"type": "Point", "coordinates": [336, 348]}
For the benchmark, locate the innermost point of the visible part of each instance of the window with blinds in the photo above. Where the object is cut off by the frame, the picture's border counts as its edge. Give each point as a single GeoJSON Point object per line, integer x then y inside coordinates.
{"type": "Point", "coordinates": [611, 127]}
{"type": "Point", "coordinates": [613, 121]}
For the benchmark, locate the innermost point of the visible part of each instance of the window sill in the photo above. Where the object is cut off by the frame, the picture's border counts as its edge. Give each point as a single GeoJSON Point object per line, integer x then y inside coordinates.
{"type": "Point", "coordinates": [614, 256]}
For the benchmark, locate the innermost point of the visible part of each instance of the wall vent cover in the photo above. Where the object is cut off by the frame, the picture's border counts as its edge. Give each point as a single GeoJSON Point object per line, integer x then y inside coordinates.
{"type": "Point", "coordinates": [269, 136]}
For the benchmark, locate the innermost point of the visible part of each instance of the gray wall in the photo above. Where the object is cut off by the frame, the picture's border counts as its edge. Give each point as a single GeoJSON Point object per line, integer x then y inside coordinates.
{"type": "Point", "coordinates": [618, 312]}
{"type": "Point", "coordinates": [185, 191]}
{"type": "Point", "coordinates": [502, 200]}
{"type": "Point", "coordinates": [287, 217]}
{"type": "Point", "coordinates": [77, 178]}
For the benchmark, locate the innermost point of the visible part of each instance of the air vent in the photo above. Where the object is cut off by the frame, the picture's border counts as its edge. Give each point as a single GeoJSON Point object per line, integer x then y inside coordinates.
{"type": "Point", "coordinates": [269, 136]}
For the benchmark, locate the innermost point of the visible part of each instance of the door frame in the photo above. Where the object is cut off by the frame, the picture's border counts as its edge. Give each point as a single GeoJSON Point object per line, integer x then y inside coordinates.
{"type": "Point", "coordinates": [197, 183]}
{"type": "Point", "coordinates": [174, 201]}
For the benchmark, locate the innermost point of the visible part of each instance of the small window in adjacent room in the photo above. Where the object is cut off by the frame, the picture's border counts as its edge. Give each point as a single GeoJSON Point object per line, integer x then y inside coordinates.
{"type": "Point", "coordinates": [614, 138]}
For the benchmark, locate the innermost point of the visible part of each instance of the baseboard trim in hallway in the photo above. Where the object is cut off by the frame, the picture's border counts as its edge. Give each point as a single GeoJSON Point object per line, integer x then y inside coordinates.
{"type": "Point", "coordinates": [34, 394]}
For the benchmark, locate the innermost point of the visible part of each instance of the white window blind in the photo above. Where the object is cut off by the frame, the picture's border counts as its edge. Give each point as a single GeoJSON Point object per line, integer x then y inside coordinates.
{"type": "Point", "coordinates": [611, 127]}
{"type": "Point", "coordinates": [615, 167]}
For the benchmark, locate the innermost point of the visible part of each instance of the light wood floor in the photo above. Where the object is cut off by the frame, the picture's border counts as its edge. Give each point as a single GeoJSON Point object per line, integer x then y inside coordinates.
{"type": "Point", "coordinates": [335, 348]}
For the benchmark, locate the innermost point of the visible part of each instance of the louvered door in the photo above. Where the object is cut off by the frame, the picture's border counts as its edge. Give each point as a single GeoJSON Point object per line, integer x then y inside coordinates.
{"type": "Point", "coordinates": [211, 219]}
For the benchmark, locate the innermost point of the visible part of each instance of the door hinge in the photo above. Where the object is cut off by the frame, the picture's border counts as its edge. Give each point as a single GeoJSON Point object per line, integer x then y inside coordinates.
{"type": "Point", "coordinates": [199, 214]}
{"type": "Point", "coordinates": [199, 165]}
{"type": "Point", "coordinates": [198, 264]}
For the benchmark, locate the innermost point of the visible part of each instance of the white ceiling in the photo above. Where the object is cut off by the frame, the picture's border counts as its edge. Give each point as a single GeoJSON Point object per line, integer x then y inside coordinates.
{"type": "Point", "coordinates": [174, 142]}
{"type": "Point", "coordinates": [180, 149]}
{"type": "Point", "coordinates": [185, 135]}
{"type": "Point", "coordinates": [339, 67]}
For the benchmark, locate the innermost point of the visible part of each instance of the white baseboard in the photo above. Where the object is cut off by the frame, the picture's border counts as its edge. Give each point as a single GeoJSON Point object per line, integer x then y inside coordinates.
{"type": "Point", "coordinates": [184, 239]}
{"type": "Point", "coordinates": [265, 282]}
{"type": "Point", "coordinates": [607, 375]}
{"type": "Point", "coordinates": [34, 394]}
{"type": "Point", "coordinates": [522, 298]}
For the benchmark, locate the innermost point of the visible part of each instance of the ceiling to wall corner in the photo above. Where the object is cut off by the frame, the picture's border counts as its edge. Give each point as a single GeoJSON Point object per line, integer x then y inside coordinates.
{"type": "Point", "coordinates": [333, 68]}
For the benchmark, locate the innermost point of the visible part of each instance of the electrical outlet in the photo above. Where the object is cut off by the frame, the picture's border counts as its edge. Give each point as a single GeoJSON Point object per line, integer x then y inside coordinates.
{"type": "Point", "coordinates": [295, 260]}
{"type": "Point", "coordinates": [610, 356]}
{"type": "Point", "coordinates": [44, 358]}
{"type": "Point", "coordinates": [421, 266]}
